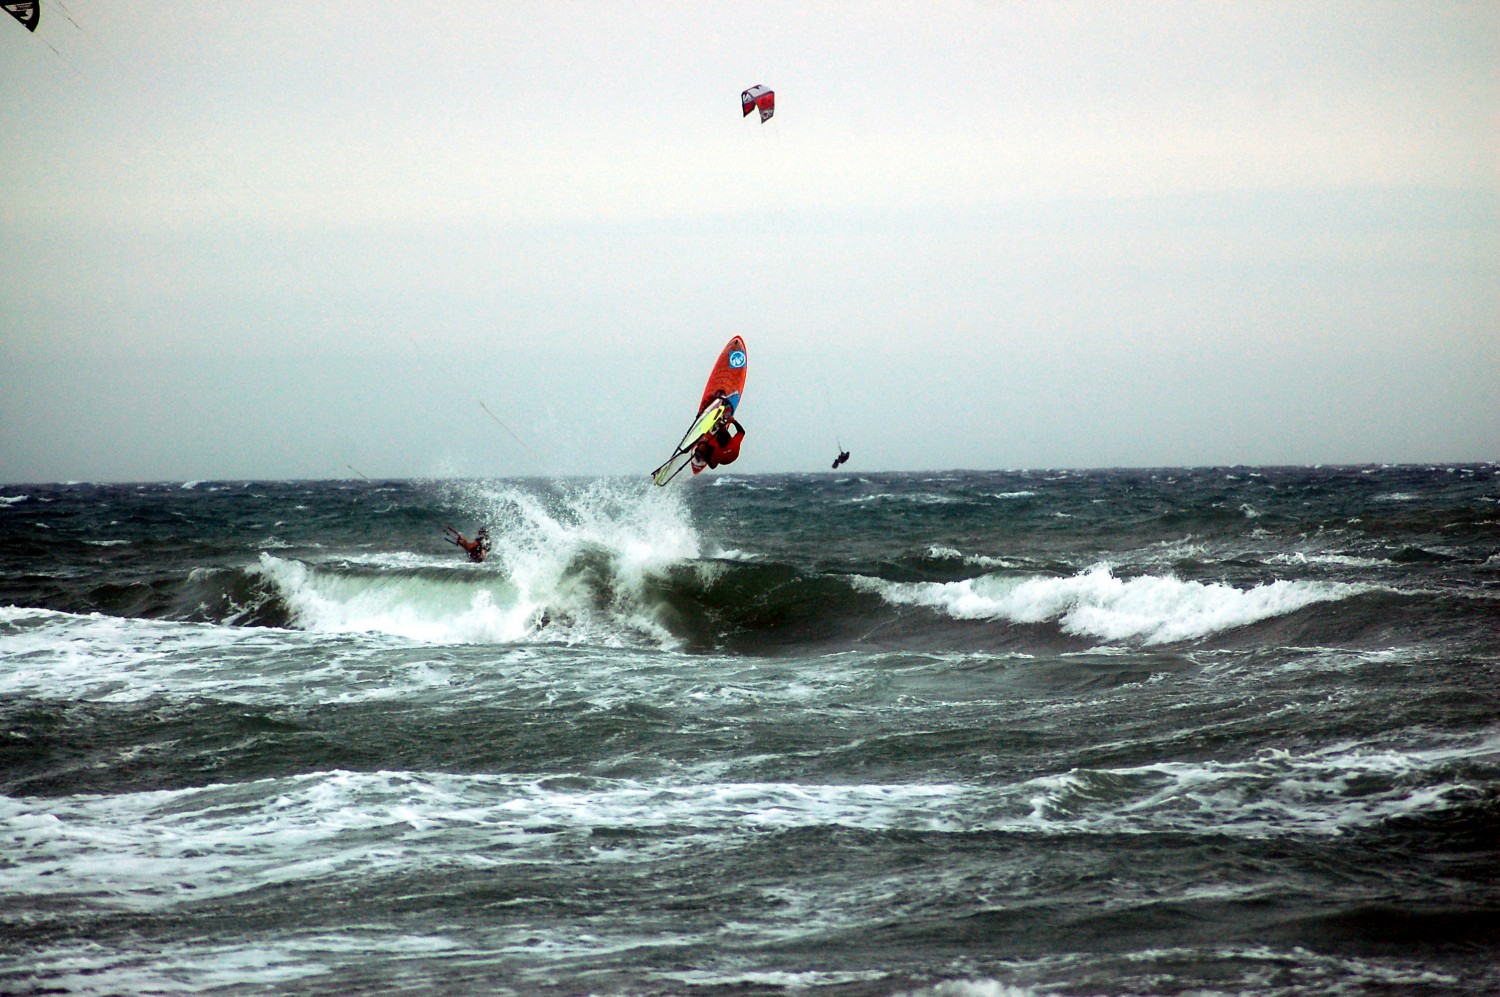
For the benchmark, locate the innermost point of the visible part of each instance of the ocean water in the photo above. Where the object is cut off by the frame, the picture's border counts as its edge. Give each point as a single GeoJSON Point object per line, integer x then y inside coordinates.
{"type": "Point", "coordinates": [1193, 731]}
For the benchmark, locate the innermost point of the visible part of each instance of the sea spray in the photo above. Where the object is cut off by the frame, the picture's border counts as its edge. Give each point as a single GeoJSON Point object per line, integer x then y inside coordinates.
{"type": "Point", "coordinates": [589, 554]}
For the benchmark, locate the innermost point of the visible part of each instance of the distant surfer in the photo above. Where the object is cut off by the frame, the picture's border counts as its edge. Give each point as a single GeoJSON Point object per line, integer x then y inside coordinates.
{"type": "Point", "coordinates": [720, 446]}
{"type": "Point", "coordinates": [476, 548]}
{"type": "Point", "coordinates": [843, 456]}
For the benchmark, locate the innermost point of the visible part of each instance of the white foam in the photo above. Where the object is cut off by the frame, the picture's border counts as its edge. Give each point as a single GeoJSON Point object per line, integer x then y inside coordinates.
{"type": "Point", "coordinates": [1339, 560]}
{"type": "Point", "coordinates": [93, 969]}
{"type": "Point", "coordinates": [465, 607]}
{"type": "Point", "coordinates": [735, 554]}
{"type": "Point", "coordinates": [396, 559]}
{"type": "Point", "coordinates": [100, 658]}
{"type": "Point", "coordinates": [725, 480]}
{"type": "Point", "coordinates": [1316, 972]}
{"type": "Point", "coordinates": [767, 982]}
{"type": "Point", "coordinates": [1325, 792]}
{"type": "Point", "coordinates": [1314, 659]}
{"type": "Point", "coordinates": [1169, 551]}
{"type": "Point", "coordinates": [153, 850]}
{"type": "Point", "coordinates": [149, 851]}
{"type": "Point", "coordinates": [916, 498]}
{"type": "Point", "coordinates": [1153, 609]}
{"type": "Point", "coordinates": [978, 560]}
{"type": "Point", "coordinates": [113, 659]}
{"type": "Point", "coordinates": [9, 500]}
{"type": "Point", "coordinates": [970, 988]}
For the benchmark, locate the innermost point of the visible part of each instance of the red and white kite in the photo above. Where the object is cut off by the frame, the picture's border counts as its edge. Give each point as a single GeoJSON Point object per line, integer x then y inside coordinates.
{"type": "Point", "coordinates": [758, 97]}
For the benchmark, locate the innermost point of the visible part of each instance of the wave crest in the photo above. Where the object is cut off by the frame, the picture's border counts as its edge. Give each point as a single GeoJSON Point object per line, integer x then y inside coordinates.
{"type": "Point", "coordinates": [1153, 609]}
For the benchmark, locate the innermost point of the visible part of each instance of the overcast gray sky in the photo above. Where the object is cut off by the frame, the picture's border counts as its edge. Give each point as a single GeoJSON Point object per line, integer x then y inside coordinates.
{"type": "Point", "coordinates": [248, 240]}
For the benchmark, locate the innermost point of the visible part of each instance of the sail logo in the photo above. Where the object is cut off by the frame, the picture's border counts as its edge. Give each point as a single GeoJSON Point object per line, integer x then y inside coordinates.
{"type": "Point", "coordinates": [737, 358]}
{"type": "Point", "coordinates": [25, 11]}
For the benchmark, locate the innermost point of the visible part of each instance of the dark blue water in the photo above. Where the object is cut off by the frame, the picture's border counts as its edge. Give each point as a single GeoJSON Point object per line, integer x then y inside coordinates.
{"type": "Point", "coordinates": [1208, 731]}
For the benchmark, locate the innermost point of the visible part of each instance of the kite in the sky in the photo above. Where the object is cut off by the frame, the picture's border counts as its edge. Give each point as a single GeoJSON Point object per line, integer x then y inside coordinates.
{"type": "Point", "coordinates": [28, 12]}
{"type": "Point", "coordinates": [758, 97]}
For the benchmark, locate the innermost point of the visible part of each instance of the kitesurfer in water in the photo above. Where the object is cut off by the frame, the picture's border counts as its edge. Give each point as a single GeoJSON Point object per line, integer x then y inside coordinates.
{"type": "Point", "coordinates": [720, 446]}
{"type": "Point", "coordinates": [476, 548]}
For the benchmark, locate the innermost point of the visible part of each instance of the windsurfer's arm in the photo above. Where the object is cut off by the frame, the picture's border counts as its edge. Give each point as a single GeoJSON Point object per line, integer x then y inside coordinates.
{"type": "Point", "coordinates": [729, 452]}
{"type": "Point", "coordinates": [458, 539]}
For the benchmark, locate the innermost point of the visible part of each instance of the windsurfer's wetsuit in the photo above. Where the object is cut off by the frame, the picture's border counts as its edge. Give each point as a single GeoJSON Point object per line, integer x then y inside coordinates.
{"type": "Point", "coordinates": [719, 447]}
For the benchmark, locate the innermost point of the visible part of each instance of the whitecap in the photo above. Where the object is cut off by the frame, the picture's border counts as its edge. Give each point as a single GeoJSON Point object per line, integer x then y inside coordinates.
{"type": "Point", "coordinates": [735, 554]}
{"type": "Point", "coordinates": [1340, 560]}
{"type": "Point", "coordinates": [1151, 608]}
{"type": "Point", "coordinates": [977, 560]}
{"type": "Point", "coordinates": [768, 982]}
{"type": "Point", "coordinates": [917, 498]}
{"type": "Point", "coordinates": [970, 988]}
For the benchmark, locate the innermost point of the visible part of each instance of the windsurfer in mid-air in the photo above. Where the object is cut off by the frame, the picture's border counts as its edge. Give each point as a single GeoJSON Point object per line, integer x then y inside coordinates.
{"type": "Point", "coordinates": [476, 548]}
{"type": "Point", "coordinates": [719, 446]}
{"type": "Point", "coordinates": [843, 456]}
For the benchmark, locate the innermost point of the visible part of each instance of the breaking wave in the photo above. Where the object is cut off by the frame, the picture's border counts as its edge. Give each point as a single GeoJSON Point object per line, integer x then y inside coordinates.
{"type": "Point", "coordinates": [1095, 603]}
{"type": "Point", "coordinates": [584, 564]}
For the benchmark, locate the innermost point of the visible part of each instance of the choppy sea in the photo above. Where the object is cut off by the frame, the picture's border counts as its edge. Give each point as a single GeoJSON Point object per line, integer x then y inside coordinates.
{"type": "Point", "coordinates": [1177, 731]}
